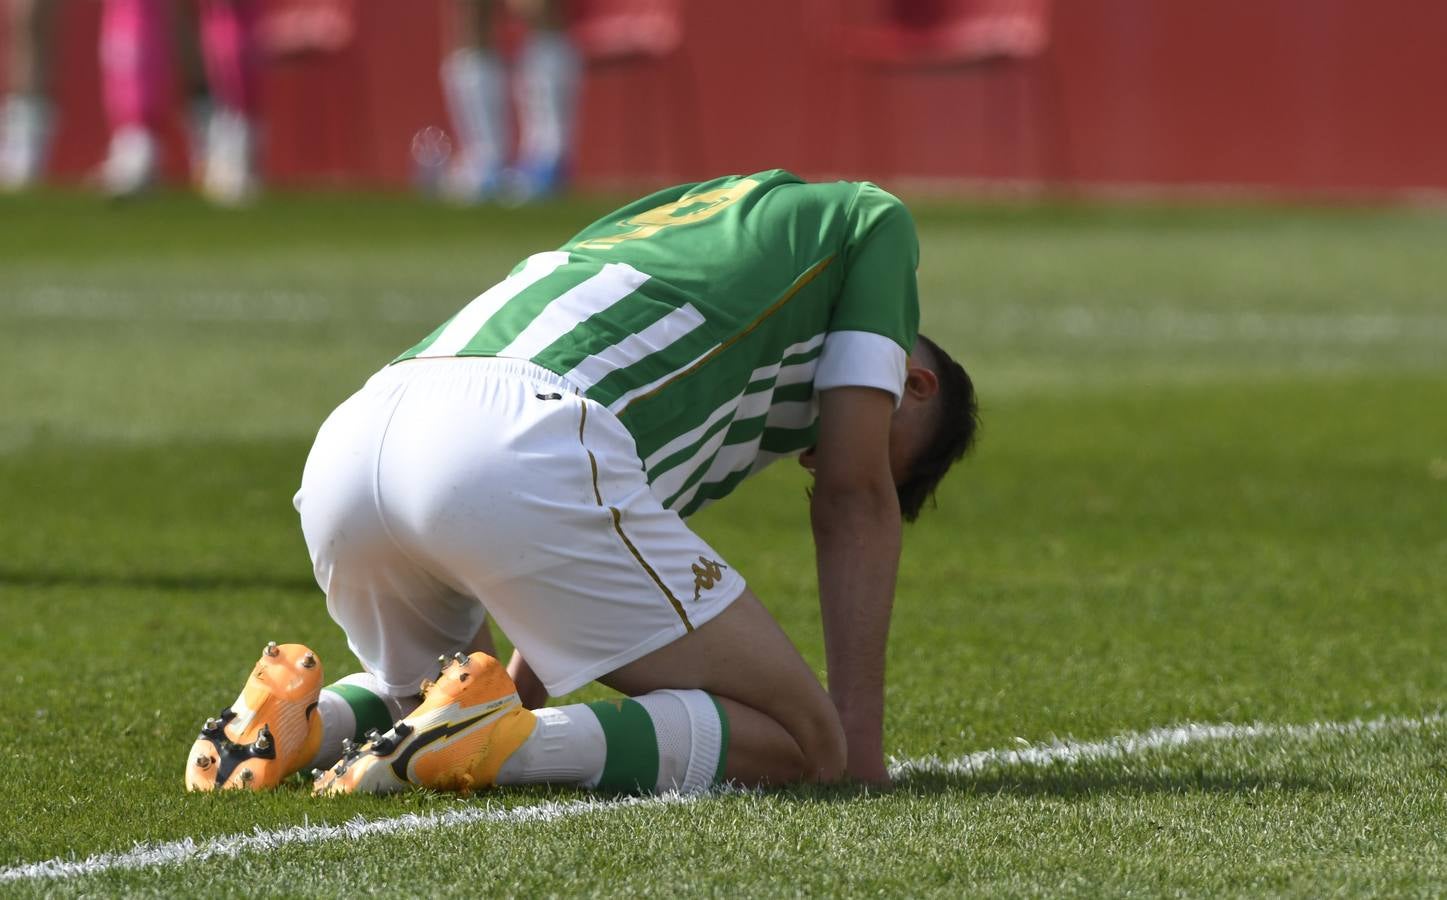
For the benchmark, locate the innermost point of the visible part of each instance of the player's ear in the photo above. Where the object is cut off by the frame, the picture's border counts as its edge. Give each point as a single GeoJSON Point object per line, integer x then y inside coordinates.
{"type": "Point", "coordinates": [920, 382]}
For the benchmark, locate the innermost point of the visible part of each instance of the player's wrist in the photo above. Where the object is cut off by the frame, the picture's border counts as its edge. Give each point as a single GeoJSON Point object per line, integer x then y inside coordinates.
{"type": "Point", "coordinates": [866, 760]}
{"type": "Point", "coordinates": [863, 731]}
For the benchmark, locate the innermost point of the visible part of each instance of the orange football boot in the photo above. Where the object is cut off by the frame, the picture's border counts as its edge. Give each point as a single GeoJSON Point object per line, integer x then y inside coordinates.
{"type": "Point", "coordinates": [468, 724]}
{"type": "Point", "coordinates": [271, 731]}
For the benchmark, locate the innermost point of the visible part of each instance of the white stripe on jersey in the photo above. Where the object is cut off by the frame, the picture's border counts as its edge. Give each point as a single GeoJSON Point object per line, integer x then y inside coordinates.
{"type": "Point", "coordinates": [616, 407]}
{"type": "Point", "coordinates": [799, 414]}
{"type": "Point", "coordinates": [793, 415]}
{"type": "Point", "coordinates": [562, 314]}
{"type": "Point", "coordinates": [794, 374]}
{"type": "Point", "coordinates": [734, 456]}
{"type": "Point", "coordinates": [748, 407]}
{"type": "Point", "coordinates": [686, 440]}
{"type": "Point", "coordinates": [668, 330]}
{"type": "Point", "coordinates": [466, 324]}
{"type": "Point", "coordinates": [803, 346]}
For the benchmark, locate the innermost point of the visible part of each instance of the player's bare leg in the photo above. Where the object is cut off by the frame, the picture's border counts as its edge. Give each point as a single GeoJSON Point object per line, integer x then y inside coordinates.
{"type": "Point", "coordinates": [25, 111]}
{"type": "Point", "coordinates": [775, 722]}
{"type": "Point", "coordinates": [732, 700]}
{"type": "Point", "coordinates": [782, 725]}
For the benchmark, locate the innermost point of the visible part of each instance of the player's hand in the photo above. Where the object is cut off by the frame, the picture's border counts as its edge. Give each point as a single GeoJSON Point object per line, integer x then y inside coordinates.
{"type": "Point", "coordinates": [866, 752]}
{"type": "Point", "coordinates": [873, 773]}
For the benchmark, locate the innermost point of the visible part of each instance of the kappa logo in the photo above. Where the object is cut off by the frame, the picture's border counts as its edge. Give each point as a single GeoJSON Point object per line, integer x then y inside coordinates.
{"type": "Point", "coordinates": [706, 573]}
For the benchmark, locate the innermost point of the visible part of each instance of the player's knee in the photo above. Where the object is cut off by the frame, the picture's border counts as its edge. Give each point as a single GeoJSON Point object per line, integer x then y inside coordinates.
{"type": "Point", "coordinates": [821, 740]}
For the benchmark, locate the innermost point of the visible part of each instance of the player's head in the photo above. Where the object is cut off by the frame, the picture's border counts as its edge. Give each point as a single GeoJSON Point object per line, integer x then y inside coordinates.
{"type": "Point", "coordinates": [933, 428]}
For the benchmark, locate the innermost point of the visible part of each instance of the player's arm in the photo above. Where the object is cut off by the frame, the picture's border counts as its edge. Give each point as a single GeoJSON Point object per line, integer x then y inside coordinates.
{"type": "Point", "coordinates": [857, 532]}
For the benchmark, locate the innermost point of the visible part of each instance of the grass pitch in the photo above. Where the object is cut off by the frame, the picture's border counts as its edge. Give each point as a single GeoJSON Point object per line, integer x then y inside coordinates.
{"type": "Point", "coordinates": [1212, 487]}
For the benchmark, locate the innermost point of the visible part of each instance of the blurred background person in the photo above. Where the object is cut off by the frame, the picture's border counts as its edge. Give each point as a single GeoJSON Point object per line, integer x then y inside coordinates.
{"type": "Point", "coordinates": [220, 66]}
{"type": "Point", "coordinates": [26, 114]}
{"type": "Point", "coordinates": [545, 85]}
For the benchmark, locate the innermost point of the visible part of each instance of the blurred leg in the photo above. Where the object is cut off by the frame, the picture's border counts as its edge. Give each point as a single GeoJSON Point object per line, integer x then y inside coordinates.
{"type": "Point", "coordinates": [547, 87]}
{"type": "Point", "coordinates": [25, 114]}
{"type": "Point", "coordinates": [186, 33]}
{"type": "Point", "coordinates": [228, 41]}
{"type": "Point", "coordinates": [32, 25]}
{"type": "Point", "coordinates": [135, 59]}
{"type": "Point", "coordinates": [473, 80]}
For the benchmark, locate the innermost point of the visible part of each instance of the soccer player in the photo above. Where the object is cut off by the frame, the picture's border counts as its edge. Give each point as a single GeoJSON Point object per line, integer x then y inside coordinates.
{"type": "Point", "coordinates": [535, 459]}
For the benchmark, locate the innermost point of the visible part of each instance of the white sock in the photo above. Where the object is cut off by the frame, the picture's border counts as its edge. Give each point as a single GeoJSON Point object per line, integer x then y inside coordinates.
{"type": "Point", "coordinates": [570, 744]}
{"type": "Point", "coordinates": [339, 705]}
{"type": "Point", "coordinates": [566, 747]}
{"type": "Point", "coordinates": [690, 739]}
{"type": "Point", "coordinates": [131, 161]}
{"type": "Point", "coordinates": [547, 89]}
{"type": "Point", "coordinates": [473, 81]}
{"type": "Point", "coordinates": [230, 174]}
{"type": "Point", "coordinates": [24, 136]}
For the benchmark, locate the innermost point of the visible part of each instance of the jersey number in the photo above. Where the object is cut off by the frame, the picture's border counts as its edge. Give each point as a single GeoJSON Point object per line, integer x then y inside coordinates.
{"type": "Point", "coordinates": [699, 207]}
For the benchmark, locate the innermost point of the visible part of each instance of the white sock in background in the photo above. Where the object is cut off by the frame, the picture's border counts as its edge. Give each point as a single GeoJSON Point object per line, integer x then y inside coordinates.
{"type": "Point", "coordinates": [131, 161]}
{"type": "Point", "coordinates": [24, 138]}
{"type": "Point", "coordinates": [547, 91]}
{"type": "Point", "coordinates": [474, 81]}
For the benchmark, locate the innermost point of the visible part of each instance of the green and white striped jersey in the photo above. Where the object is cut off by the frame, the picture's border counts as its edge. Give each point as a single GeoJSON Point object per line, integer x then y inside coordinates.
{"type": "Point", "coordinates": [708, 316]}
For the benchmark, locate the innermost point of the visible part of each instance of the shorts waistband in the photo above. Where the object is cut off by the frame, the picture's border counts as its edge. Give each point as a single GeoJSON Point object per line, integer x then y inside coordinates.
{"type": "Point", "coordinates": [493, 366]}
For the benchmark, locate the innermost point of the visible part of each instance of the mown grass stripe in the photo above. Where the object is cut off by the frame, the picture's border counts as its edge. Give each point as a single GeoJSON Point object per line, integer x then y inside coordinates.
{"type": "Point", "coordinates": [187, 850]}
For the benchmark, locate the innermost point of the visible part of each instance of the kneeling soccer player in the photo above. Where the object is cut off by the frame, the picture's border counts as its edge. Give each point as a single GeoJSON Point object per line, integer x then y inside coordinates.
{"type": "Point", "coordinates": [534, 459]}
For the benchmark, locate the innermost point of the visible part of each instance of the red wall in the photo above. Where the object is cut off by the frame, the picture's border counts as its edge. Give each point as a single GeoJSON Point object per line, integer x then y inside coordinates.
{"type": "Point", "coordinates": [1294, 95]}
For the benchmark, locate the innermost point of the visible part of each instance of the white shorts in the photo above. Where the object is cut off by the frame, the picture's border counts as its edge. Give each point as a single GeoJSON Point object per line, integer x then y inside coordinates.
{"type": "Point", "coordinates": [446, 490]}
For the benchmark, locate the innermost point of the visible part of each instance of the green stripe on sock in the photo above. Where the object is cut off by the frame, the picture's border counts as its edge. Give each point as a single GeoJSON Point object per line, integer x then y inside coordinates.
{"type": "Point", "coordinates": [370, 710]}
{"type": "Point", "coordinates": [723, 747]}
{"type": "Point", "coordinates": [631, 763]}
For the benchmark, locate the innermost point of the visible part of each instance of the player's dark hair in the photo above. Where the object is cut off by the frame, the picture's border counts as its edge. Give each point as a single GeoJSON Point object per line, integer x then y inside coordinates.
{"type": "Point", "coordinates": [957, 420]}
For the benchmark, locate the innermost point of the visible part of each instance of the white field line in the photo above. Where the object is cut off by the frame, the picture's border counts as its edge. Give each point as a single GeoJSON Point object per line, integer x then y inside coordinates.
{"type": "Point", "coordinates": [1058, 753]}
{"type": "Point", "coordinates": [187, 850]}
{"type": "Point", "coordinates": [1068, 752]}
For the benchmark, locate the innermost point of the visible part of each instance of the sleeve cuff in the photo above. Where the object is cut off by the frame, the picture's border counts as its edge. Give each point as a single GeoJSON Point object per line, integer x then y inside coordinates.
{"type": "Point", "coordinates": [861, 359]}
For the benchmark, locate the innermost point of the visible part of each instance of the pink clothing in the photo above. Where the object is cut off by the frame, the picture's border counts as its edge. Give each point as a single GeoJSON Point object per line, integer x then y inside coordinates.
{"type": "Point", "coordinates": [136, 57]}
{"type": "Point", "coordinates": [228, 42]}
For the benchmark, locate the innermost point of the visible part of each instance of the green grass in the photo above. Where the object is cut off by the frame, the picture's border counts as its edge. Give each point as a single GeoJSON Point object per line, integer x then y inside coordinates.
{"type": "Point", "coordinates": [1212, 487]}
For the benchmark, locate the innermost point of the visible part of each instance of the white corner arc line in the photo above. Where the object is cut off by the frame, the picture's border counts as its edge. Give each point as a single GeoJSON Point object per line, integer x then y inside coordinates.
{"type": "Point", "coordinates": [1064, 752]}
{"type": "Point", "coordinates": [186, 850]}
